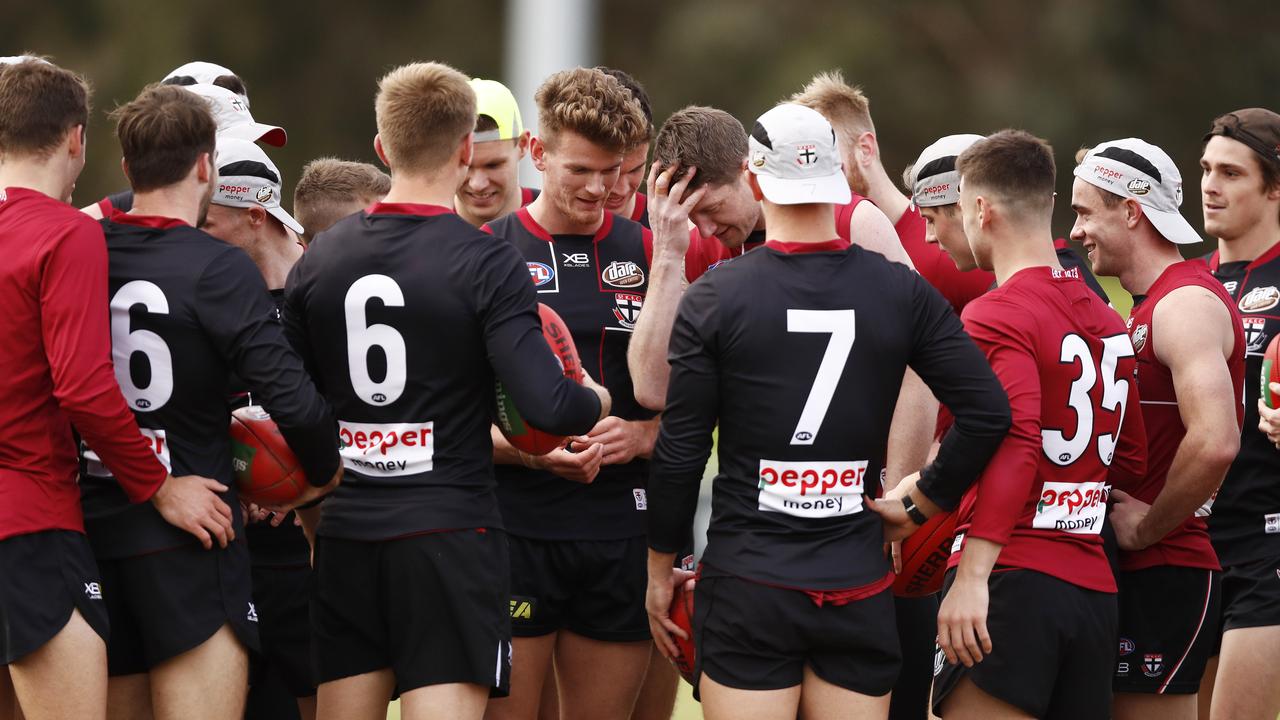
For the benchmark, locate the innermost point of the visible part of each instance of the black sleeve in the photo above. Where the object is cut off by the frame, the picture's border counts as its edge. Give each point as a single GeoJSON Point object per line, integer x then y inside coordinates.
{"type": "Point", "coordinates": [957, 372]}
{"type": "Point", "coordinates": [518, 352]}
{"type": "Point", "coordinates": [692, 408]}
{"type": "Point", "coordinates": [238, 314]}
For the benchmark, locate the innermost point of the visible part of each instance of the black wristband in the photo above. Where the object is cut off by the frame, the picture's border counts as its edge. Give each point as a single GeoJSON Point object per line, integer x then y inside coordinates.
{"type": "Point", "coordinates": [913, 512]}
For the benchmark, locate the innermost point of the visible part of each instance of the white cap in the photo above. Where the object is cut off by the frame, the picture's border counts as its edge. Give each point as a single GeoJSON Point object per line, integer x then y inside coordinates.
{"type": "Point", "coordinates": [934, 180]}
{"type": "Point", "coordinates": [231, 113]}
{"type": "Point", "coordinates": [15, 59]}
{"type": "Point", "coordinates": [247, 177]}
{"type": "Point", "coordinates": [794, 157]}
{"type": "Point", "coordinates": [203, 73]}
{"type": "Point", "coordinates": [1133, 168]}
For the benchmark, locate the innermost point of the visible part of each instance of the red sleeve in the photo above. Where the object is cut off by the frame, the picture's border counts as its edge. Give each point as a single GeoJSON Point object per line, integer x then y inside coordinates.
{"type": "Point", "coordinates": [1130, 463]}
{"type": "Point", "coordinates": [647, 236]}
{"type": "Point", "coordinates": [74, 320]}
{"type": "Point", "coordinates": [703, 253]}
{"type": "Point", "coordinates": [105, 207]}
{"type": "Point", "coordinates": [1006, 483]}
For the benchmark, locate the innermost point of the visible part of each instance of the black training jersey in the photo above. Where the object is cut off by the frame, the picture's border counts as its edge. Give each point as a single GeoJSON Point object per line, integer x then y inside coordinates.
{"type": "Point", "coordinates": [1245, 520]}
{"type": "Point", "coordinates": [188, 310]}
{"type": "Point", "coordinates": [596, 283]}
{"type": "Point", "coordinates": [798, 351]}
{"type": "Point", "coordinates": [404, 312]}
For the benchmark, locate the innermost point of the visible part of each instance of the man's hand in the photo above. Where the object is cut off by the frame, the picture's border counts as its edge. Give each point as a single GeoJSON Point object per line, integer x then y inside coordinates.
{"type": "Point", "coordinates": [657, 602]}
{"type": "Point", "coordinates": [1268, 419]}
{"type": "Point", "coordinates": [962, 621]}
{"type": "Point", "coordinates": [621, 440]}
{"type": "Point", "coordinates": [254, 513]}
{"type": "Point", "coordinates": [669, 207]}
{"type": "Point", "coordinates": [606, 400]}
{"type": "Point", "coordinates": [897, 524]}
{"type": "Point", "coordinates": [191, 503]}
{"type": "Point", "coordinates": [1127, 514]}
{"type": "Point", "coordinates": [580, 467]}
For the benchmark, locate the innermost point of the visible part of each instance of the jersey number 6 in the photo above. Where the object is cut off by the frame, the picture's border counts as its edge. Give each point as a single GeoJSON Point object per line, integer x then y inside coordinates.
{"type": "Point", "coordinates": [362, 337]}
{"type": "Point", "coordinates": [126, 342]}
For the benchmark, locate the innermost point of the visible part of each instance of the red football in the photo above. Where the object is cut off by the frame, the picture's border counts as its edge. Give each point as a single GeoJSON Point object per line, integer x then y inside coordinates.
{"type": "Point", "coordinates": [1271, 372]}
{"type": "Point", "coordinates": [924, 557]}
{"type": "Point", "coordinates": [520, 434]}
{"type": "Point", "coordinates": [681, 614]}
{"type": "Point", "coordinates": [266, 470]}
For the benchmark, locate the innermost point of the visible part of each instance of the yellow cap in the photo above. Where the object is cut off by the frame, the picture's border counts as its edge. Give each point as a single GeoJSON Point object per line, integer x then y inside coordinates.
{"type": "Point", "coordinates": [496, 101]}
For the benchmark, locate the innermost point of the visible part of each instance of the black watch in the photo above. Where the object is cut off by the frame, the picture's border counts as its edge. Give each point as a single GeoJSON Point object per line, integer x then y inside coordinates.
{"type": "Point", "coordinates": [913, 512]}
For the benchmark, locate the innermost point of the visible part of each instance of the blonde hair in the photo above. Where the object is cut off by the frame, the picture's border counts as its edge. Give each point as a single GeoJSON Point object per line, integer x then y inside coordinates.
{"type": "Point", "coordinates": [592, 104]}
{"type": "Point", "coordinates": [424, 112]}
{"type": "Point", "coordinates": [843, 105]}
{"type": "Point", "coordinates": [329, 187]}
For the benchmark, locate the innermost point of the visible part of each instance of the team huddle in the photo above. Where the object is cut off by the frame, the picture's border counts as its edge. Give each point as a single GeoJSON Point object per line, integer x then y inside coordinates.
{"type": "Point", "coordinates": [868, 358]}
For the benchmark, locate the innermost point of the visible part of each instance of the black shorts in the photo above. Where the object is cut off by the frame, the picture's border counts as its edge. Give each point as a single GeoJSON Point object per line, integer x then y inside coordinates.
{"type": "Point", "coordinates": [758, 637]}
{"type": "Point", "coordinates": [1169, 627]}
{"type": "Point", "coordinates": [282, 596]}
{"type": "Point", "coordinates": [433, 608]}
{"type": "Point", "coordinates": [1251, 594]}
{"type": "Point", "coordinates": [44, 576]}
{"type": "Point", "coordinates": [165, 603]}
{"type": "Point", "coordinates": [1052, 645]}
{"type": "Point", "coordinates": [594, 588]}
{"type": "Point", "coordinates": [917, 621]}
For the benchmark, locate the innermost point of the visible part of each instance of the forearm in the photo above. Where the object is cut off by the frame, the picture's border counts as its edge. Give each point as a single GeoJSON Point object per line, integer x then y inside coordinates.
{"type": "Point", "coordinates": [661, 566]}
{"type": "Point", "coordinates": [978, 559]}
{"type": "Point", "coordinates": [504, 453]}
{"type": "Point", "coordinates": [911, 434]}
{"type": "Point", "coordinates": [647, 350]}
{"type": "Point", "coordinates": [1195, 474]}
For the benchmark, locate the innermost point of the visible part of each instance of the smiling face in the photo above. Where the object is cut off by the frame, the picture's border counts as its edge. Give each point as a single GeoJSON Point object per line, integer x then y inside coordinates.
{"type": "Point", "coordinates": [1102, 228]}
{"type": "Point", "coordinates": [492, 186]}
{"type": "Point", "coordinates": [1232, 190]}
{"type": "Point", "coordinates": [577, 176]}
{"type": "Point", "coordinates": [944, 227]}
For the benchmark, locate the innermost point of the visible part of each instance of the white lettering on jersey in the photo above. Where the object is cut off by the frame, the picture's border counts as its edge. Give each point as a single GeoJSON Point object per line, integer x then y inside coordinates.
{"type": "Point", "coordinates": [387, 449]}
{"type": "Point", "coordinates": [1077, 508]}
{"type": "Point", "coordinates": [812, 489]}
{"type": "Point", "coordinates": [94, 466]}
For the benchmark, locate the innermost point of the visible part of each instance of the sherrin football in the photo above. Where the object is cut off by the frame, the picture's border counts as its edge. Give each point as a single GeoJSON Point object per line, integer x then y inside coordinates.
{"type": "Point", "coordinates": [266, 470]}
{"type": "Point", "coordinates": [520, 434]}
{"type": "Point", "coordinates": [681, 613]}
{"type": "Point", "coordinates": [1271, 372]}
{"type": "Point", "coordinates": [924, 557]}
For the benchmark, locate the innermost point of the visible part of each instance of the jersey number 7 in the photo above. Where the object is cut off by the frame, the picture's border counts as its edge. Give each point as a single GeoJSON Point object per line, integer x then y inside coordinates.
{"type": "Point", "coordinates": [839, 324]}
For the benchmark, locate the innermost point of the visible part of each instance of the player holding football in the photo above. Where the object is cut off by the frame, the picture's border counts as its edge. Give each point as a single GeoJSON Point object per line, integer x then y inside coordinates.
{"type": "Point", "coordinates": [1028, 618]}
{"type": "Point", "coordinates": [53, 619]}
{"type": "Point", "coordinates": [1240, 194]}
{"type": "Point", "coordinates": [407, 314]}
{"type": "Point", "coordinates": [811, 338]}
{"type": "Point", "coordinates": [196, 310]}
{"type": "Point", "coordinates": [1190, 353]}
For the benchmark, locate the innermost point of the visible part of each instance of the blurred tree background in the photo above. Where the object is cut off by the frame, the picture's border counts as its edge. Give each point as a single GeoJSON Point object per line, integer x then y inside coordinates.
{"type": "Point", "coordinates": [1073, 71]}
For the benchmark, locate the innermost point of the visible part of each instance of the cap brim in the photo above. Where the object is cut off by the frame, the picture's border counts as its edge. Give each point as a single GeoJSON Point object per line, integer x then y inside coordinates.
{"type": "Point", "coordinates": [832, 189]}
{"type": "Point", "coordinates": [279, 213]}
{"type": "Point", "coordinates": [272, 135]}
{"type": "Point", "coordinates": [1173, 227]}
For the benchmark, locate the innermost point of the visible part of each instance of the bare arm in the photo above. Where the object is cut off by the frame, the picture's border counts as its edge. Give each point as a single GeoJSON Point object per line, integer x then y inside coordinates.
{"type": "Point", "coordinates": [962, 618]}
{"type": "Point", "coordinates": [911, 433]}
{"type": "Point", "coordinates": [647, 350]}
{"type": "Point", "coordinates": [871, 230]}
{"type": "Point", "coordinates": [1193, 335]}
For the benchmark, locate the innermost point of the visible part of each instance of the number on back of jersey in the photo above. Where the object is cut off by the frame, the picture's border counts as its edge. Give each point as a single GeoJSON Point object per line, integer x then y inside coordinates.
{"type": "Point", "coordinates": [1063, 449]}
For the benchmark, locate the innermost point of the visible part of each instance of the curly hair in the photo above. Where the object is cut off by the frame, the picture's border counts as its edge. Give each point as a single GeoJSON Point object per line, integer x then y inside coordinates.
{"type": "Point", "coordinates": [593, 104]}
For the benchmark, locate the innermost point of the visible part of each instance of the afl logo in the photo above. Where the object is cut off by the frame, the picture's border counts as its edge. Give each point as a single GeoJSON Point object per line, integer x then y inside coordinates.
{"type": "Point", "coordinates": [1139, 338]}
{"type": "Point", "coordinates": [623, 274]}
{"type": "Point", "coordinates": [804, 436]}
{"type": "Point", "coordinates": [541, 273]}
{"type": "Point", "coordinates": [1259, 299]}
{"type": "Point", "coordinates": [142, 403]}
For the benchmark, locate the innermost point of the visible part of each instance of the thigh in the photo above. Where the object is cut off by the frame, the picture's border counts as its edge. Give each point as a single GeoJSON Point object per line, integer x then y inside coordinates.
{"type": "Point", "coordinates": [1168, 629]}
{"type": "Point", "coordinates": [356, 697]}
{"type": "Point", "coordinates": [208, 681]}
{"type": "Point", "coordinates": [452, 701]}
{"type": "Point", "coordinates": [129, 697]}
{"type": "Point", "coordinates": [967, 701]}
{"type": "Point", "coordinates": [822, 699]}
{"type": "Point", "coordinates": [608, 589]}
{"type": "Point", "coordinates": [657, 699]}
{"type": "Point", "coordinates": [9, 702]}
{"type": "Point", "coordinates": [599, 679]}
{"type": "Point", "coordinates": [1247, 685]}
{"type": "Point", "coordinates": [46, 576]}
{"type": "Point", "coordinates": [447, 608]}
{"type": "Point", "coordinates": [721, 702]}
{"type": "Point", "coordinates": [66, 677]}
{"type": "Point", "coordinates": [531, 661]}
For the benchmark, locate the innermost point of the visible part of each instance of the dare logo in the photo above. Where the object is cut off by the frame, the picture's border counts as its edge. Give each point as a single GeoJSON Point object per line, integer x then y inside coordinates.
{"type": "Point", "coordinates": [623, 274]}
{"type": "Point", "coordinates": [1259, 299]}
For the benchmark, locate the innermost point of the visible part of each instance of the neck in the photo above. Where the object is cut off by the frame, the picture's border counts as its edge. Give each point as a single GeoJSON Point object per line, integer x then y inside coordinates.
{"type": "Point", "coordinates": [417, 190]}
{"type": "Point", "coordinates": [628, 207]}
{"type": "Point", "coordinates": [809, 223]}
{"type": "Point", "coordinates": [33, 174]}
{"type": "Point", "coordinates": [1148, 264]}
{"type": "Point", "coordinates": [556, 223]}
{"type": "Point", "coordinates": [1251, 245]}
{"type": "Point", "coordinates": [885, 194]}
{"type": "Point", "coordinates": [180, 202]}
{"type": "Point", "coordinates": [1017, 248]}
{"type": "Point", "coordinates": [275, 257]}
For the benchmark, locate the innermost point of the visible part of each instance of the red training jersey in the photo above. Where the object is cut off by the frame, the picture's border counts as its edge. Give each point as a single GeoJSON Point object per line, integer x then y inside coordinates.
{"type": "Point", "coordinates": [934, 265]}
{"type": "Point", "coordinates": [1187, 545]}
{"type": "Point", "coordinates": [57, 368]}
{"type": "Point", "coordinates": [1067, 365]}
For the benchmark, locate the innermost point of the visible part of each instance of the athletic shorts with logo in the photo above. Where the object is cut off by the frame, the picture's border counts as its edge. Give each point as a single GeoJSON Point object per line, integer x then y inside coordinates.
{"type": "Point", "coordinates": [165, 603]}
{"type": "Point", "coordinates": [44, 576]}
{"type": "Point", "coordinates": [1052, 647]}
{"type": "Point", "coordinates": [1169, 627]}
{"type": "Point", "coordinates": [593, 588]}
{"type": "Point", "coordinates": [751, 636]}
{"type": "Point", "coordinates": [432, 607]}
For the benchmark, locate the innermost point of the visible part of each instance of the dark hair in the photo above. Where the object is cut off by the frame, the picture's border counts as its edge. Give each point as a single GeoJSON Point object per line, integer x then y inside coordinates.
{"type": "Point", "coordinates": [706, 138]}
{"type": "Point", "coordinates": [637, 92]}
{"type": "Point", "coordinates": [39, 103]}
{"type": "Point", "coordinates": [1013, 164]}
{"type": "Point", "coordinates": [162, 133]}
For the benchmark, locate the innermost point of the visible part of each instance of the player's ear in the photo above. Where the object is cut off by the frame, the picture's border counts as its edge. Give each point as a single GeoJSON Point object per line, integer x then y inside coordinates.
{"type": "Point", "coordinates": [204, 168]}
{"type": "Point", "coordinates": [984, 212]}
{"type": "Point", "coordinates": [466, 148]}
{"type": "Point", "coordinates": [865, 148]}
{"type": "Point", "coordinates": [522, 144]}
{"type": "Point", "coordinates": [538, 153]}
{"type": "Point", "coordinates": [377, 148]}
{"type": "Point", "coordinates": [755, 186]}
{"type": "Point", "coordinates": [124, 168]}
{"type": "Point", "coordinates": [76, 141]}
{"type": "Point", "coordinates": [1132, 213]}
{"type": "Point", "coordinates": [257, 215]}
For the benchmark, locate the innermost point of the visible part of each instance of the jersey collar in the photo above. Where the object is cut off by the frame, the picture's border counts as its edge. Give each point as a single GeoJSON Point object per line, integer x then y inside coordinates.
{"type": "Point", "coordinates": [789, 248]}
{"type": "Point", "coordinates": [155, 222]}
{"type": "Point", "coordinates": [526, 219]}
{"type": "Point", "coordinates": [407, 209]}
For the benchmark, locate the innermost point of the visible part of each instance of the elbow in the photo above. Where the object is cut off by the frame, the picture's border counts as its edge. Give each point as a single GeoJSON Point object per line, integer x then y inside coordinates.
{"type": "Point", "coordinates": [648, 398]}
{"type": "Point", "coordinates": [1222, 451]}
